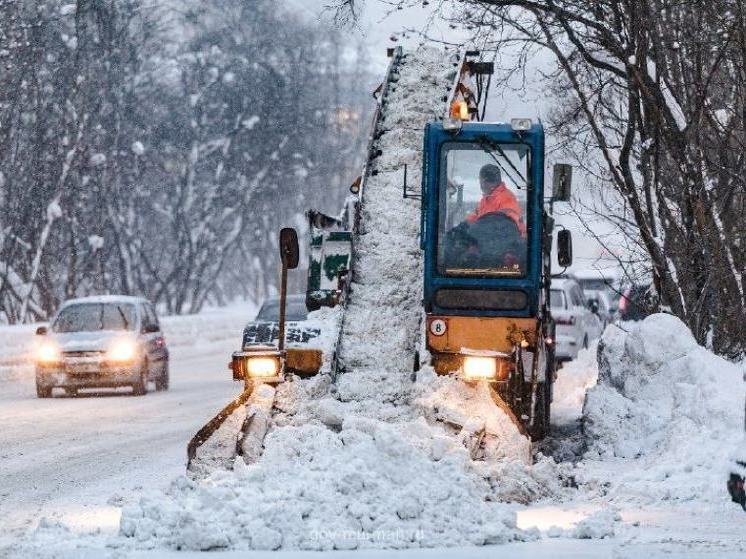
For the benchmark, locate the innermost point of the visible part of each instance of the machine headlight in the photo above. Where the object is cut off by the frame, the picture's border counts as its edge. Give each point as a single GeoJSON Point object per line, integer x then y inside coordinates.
{"type": "Point", "coordinates": [122, 351]}
{"type": "Point", "coordinates": [263, 364]}
{"type": "Point", "coordinates": [262, 367]}
{"type": "Point", "coordinates": [480, 368]}
{"type": "Point", "coordinates": [48, 353]}
{"type": "Point", "coordinates": [520, 124]}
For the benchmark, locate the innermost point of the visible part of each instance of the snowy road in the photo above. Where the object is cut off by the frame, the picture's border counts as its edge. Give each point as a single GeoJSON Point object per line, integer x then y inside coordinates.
{"type": "Point", "coordinates": [69, 465]}
{"type": "Point", "coordinates": [78, 460]}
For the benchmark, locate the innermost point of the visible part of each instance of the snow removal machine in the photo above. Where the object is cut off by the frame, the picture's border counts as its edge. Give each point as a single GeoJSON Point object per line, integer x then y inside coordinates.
{"type": "Point", "coordinates": [485, 240]}
{"type": "Point", "coordinates": [486, 234]}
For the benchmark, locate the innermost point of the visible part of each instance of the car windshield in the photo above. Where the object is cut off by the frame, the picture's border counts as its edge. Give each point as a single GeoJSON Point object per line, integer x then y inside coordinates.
{"type": "Point", "coordinates": [92, 317]}
{"type": "Point", "coordinates": [483, 202]}
{"type": "Point", "coordinates": [270, 311]}
{"type": "Point", "coordinates": [557, 299]}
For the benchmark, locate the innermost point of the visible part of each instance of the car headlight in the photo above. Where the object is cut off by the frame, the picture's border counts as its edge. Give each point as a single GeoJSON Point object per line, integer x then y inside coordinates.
{"type": "Point", "coordinates": [479, 368]}
{"type": "Point", "coordinates": [122, 351]}
{"type": "Point", "coordinates": [48, 352]}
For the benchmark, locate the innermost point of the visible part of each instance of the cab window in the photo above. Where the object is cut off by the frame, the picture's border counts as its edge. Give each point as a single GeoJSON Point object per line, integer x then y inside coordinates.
{"type": "Point", "coordinates": [483, 227]}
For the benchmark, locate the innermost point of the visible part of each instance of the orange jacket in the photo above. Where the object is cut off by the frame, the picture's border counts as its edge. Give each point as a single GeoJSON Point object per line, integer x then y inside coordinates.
{"type": "Point", "coordinates": [501, 200]}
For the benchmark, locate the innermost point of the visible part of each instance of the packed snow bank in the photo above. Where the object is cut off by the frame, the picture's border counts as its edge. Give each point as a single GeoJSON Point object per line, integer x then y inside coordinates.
{"type": "Point", "coordinates": [471, 410]}
{"type": "Point", "coordinates": [363, 485]}
{"type": "Point", "coordinates": [333, 478]}
{"type": "Point", "coordinates": [668, 403]}
{"type": "Point", "coordinates": [573, 381]}
{"type": "Point", "coordinates": [16, 345]}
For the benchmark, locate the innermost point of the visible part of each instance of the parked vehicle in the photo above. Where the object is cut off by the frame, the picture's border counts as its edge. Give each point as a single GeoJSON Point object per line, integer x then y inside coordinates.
{"type": "Point", "coordinates": [265, 328]}
{"type": "Point", "coordinates": [606, 280]}
{"type": "Point", "coordinates": [637, 302]}
{"type": "Point", "coordinates": [96, 342]}
{"type": "Point", "coordinates": [576, 324]}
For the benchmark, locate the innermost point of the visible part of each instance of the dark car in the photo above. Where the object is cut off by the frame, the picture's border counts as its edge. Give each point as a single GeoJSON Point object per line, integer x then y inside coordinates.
{"type": "Point", "coordinates": [638, 302]}
{"type": "Point", "coordinates": [265, 328]}
{"type": "Point", "coordinates": [102, 342]}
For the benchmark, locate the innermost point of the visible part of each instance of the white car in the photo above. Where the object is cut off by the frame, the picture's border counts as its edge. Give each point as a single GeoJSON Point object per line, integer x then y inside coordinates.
{"type": "Point", "coordinates": [576, 324]}
{"type": "Point", "coordinates": [107, 341]}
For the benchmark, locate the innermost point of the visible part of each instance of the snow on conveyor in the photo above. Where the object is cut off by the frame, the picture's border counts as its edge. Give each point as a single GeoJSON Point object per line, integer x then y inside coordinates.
{"type": "Point", "coordinates": [362, 462]}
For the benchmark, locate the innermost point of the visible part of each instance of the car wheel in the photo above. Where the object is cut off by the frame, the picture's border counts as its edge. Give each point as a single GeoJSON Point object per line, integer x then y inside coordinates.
{"type": "Point", "coordinates": [161, 383]}
{"type": "Point", "coordinates": [43, 391]}
{"type": "Point", "coordinates": [140, 388]}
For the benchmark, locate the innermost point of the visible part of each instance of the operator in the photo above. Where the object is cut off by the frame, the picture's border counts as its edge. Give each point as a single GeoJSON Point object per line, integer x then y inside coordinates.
{"type": "Point", "coordinates": [497, 198]}
{"type": "Point", "coordinates": [493, 235]}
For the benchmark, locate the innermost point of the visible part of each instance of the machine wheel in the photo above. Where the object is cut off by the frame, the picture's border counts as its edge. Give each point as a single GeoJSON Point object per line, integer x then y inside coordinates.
{"type": "Point", "coordinates": [140, 388]}
{"type": "Point", "coordinates": [161, 383]}
{"type": "Point", "coordinates": [543, 401]}
{"type": "Point", "coordinates": [42, 391]}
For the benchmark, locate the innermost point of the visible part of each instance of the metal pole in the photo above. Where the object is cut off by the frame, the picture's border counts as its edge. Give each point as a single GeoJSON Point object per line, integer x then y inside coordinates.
{"type": "Point", "coordinates": [283, 300]}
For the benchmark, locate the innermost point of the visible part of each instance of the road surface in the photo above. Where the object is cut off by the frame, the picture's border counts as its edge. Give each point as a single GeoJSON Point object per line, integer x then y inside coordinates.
{"type": "Point", "coordinates": [78, 460]}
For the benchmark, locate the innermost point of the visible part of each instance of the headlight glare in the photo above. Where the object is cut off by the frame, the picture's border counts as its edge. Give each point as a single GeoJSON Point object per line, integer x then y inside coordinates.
{"type": "Point", "coordinates": [262, 367]}
{"type": "Point", "coordinates": [480, 368]}
{"type": "Point", "coordinates": [48, 353]}
{"type": "Point", "coordinates": [123, 350]}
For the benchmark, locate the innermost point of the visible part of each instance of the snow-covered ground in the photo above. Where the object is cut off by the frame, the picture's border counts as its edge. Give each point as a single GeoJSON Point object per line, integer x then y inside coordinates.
{"type": "Point", "coordinates": [74, 462]}
{"type": "Point", "coordinates": [647, 480]}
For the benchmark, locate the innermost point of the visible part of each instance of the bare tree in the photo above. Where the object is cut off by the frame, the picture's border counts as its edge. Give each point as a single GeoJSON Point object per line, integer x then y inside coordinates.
{"type": "Point", "coordinates": [149, 151]}
{"type": "Point", "coordinates": [654, 90]}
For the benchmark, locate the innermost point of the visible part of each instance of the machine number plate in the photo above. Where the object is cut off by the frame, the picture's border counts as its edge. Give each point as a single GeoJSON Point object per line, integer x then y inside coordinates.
{"type": "Point", "coordinates": [438, 327]}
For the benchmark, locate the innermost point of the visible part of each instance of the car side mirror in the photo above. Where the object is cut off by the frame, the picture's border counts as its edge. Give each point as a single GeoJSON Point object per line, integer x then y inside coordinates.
{"type": "Point", "coordinates": [41, 331]}
{"type": "Point", "coordinates": [562, 182]}
{"type": "Point", "coordinates": [564, 248]}
{"type": "Point", "coordinates": [151, 329]}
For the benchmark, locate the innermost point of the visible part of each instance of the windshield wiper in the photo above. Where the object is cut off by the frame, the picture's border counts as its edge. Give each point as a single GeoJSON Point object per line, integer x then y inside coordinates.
{"type": "Point", "coordinates": [124, 318]}
{"type": "Point", "coordinates": [486, 143]}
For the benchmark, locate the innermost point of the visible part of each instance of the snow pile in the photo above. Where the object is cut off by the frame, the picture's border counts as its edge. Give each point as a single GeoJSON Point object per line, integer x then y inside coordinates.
{"type": "Point", "coordinates": [573, 381]}
{"type": "Point", "coordinates": [597, 526]}
{"type": "Point", "coordinates": [16, 346]}
{"type": "Point", "coordinates": [668, 403]}
{"type": "Point", "coordinates": [363, 485]}
{"type": "Point", "coordinates": [471, 409]}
